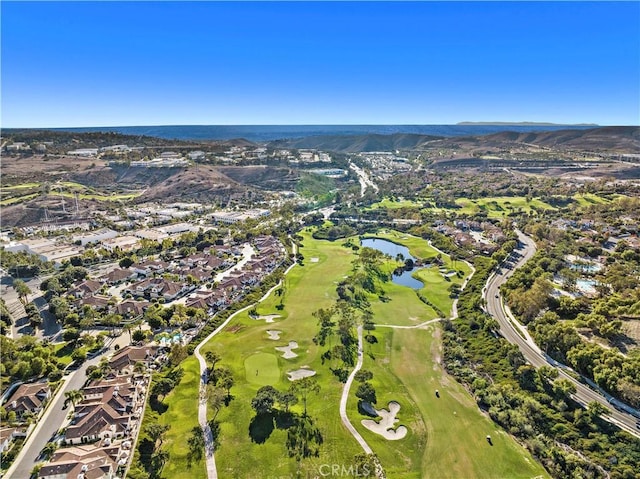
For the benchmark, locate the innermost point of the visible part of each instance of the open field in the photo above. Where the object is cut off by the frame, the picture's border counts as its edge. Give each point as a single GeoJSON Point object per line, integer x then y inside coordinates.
{"type": "Point", "coordinates": [18, 199]}
{"type": "Point", "coordinates": [28, 191]}
{"type": "Point", "coordinates": [495, 207]}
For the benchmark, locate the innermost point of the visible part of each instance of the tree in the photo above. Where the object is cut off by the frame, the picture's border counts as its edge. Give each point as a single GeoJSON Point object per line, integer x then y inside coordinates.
{"type": "Point", "coordinates": [71, 335]}
{"type": "Point", "coordinates": [162, 387]}
{"type": "Point", "coordinates": [212, 358]}
{"type": "Point", "coordinates": [156, 433]}
{"type": "Point", "coordinates": [215, 397]}
{"type": "Point", "coordinates": [303, 439]}
{"type": "Point", "coordinates": [139, 335]}
{"type": "Point", "coordinates": [196, 445]}
{"type": "Point", "coordinates": [22, 290]}
{"type": "Point", "coordinates": [178, 354]}
{"type": "Point", "coordinates": [74, 396]}
{"type": "Point", "coordinates": [367, 393]}
{"type": "Point", "coordinates": [264, 400]}
{"type": "Point", "coordinates": [595, 409]}
{"type": "Point", "coordinates": [363, 375]}
{"type": "Point", "coordinates": [49, 449]}
{"type": "Point", "coordinates": [303, 387]}
{"type": "Point", "coordinates": [287, 399]}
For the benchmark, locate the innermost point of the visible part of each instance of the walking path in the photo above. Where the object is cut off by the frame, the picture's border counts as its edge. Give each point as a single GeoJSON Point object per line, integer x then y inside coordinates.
{"type": "Point", "coordinates": [343, 407]}
{"type": "Point", "coordinates": [212, 471]}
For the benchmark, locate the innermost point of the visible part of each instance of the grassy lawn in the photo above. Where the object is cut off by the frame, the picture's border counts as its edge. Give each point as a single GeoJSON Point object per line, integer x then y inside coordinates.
{"type": "Point", "coordinates": [182, 416]}
{"type": "Point", "coordinates": [63, 353]}
{"type": "Point", "coordinates": [388, 203]}
{"type": "Point", "coordinates": [588, 199]}
{"type": "Point", "coordinates": [265, 366]}
{"type": "Point", "coordinates": [102, 197]}
{"type": "Point", "coordinates": [447, 435]}
{"type": "Point", "coordinates": [499, 206]}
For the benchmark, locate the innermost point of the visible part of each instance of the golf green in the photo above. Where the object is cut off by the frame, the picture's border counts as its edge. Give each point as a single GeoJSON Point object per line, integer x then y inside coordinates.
{"type": "Point", "coordinates": [262, 369]}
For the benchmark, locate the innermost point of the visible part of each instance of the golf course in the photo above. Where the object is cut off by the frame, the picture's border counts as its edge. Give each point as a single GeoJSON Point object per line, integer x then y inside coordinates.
{"type": "Point", "coordinates": [446, 434]}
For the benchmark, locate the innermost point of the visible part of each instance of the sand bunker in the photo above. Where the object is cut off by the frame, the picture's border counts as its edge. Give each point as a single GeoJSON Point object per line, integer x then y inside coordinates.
{"type": "Point", "coordinates": [386, 424]}
{"type": "Point", "coordinates": [274, 334]}
{"type": "Point", "coordinates": [314, 260]}
{"type": "Point", "coordinates": [287, 350]}
{"type": "Point", "coordinates": [268, 318]}
{"type": "Point", "coordinates": [301, 373]}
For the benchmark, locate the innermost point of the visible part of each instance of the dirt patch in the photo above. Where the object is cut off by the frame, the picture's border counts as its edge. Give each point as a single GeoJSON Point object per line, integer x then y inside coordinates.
{"type": "Point", "coordinates": [236, 329]}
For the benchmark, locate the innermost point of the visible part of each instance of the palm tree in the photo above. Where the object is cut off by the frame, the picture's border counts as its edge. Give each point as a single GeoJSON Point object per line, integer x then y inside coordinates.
{"type": "Point", "coordinates": [22, 290]}
{"type": "Point", "coordinates": [73, 395]}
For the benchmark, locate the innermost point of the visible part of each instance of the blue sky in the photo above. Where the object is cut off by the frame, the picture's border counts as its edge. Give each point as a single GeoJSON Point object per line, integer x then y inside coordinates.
{"type": "Point", "coordinates": [155, 63]}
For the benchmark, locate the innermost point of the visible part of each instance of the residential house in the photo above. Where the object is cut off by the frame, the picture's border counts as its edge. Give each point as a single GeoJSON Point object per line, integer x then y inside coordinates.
{"type": "Point", "coordinates": [118, 276]}
{"type": "Point", "coordinates": [80, 462]}
{"type": "Point", "coordinates": [28, 398]}
{"type": "Point", "coordinates": [131, 308]}
{"type": "Point", "coordinates": [86, 288]}
{"type": "Point", "coordinates": [127, 357]}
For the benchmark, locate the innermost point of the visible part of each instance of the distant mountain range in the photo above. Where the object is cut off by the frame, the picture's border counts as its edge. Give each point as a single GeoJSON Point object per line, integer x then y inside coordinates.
{"type": "Point", "coordinates": [613, 138]}
{"type": "Point", "coordinates": [520, 123]}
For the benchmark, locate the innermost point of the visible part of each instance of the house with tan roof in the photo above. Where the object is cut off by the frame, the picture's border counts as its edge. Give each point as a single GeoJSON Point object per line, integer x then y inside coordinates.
{"type": "Point", "coordinates": [82, 462]}
{"type": "Point", "coordinates": [28, 398]}
{"type": "Point", "coordinates": [128, 356]}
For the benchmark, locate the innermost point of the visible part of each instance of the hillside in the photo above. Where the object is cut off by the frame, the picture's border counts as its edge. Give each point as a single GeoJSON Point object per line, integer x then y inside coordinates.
{"type": "Point", "coordinates": [611, 138]}
{"type": "Point", "coordinates": [617, 138]}
{"type": "Point", "coordinates": [203, 183]}
{"type": "Point", "coordinates": [357, 143]}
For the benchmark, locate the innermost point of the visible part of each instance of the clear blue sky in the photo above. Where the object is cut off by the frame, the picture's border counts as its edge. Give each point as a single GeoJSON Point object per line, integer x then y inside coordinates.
{"type": "Point", "coordinates": [148, 63]}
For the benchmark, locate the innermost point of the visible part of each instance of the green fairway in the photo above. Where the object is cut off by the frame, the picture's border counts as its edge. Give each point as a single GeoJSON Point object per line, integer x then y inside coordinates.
{"type": "Point", "coordinates": [499, 206]}
{"type": "Point", "coordinates": [262, 369]}
{"type": "Point", "coordinates": [182, 417]}
{"type": "Point", "coordinates": [242, 453]}
{"type": "Point", "coordinates": [447, 434]}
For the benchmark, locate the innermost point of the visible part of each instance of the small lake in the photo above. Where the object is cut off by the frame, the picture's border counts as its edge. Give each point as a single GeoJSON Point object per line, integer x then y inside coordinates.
{"type": "Point", "coordinates": [393, 250]}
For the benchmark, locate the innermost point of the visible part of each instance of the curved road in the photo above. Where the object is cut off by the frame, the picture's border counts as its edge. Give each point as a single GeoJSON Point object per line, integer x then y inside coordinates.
{"type": "Point", "coordinates": [515, 333]}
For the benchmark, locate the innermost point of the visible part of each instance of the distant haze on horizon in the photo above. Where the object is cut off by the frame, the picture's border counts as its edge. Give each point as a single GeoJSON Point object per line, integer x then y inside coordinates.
{"type": "Point", "coordinates": [109, 64]}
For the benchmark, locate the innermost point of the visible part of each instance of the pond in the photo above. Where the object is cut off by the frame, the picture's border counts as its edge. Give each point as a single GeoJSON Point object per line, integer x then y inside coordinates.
{"type": "Point", "coordinates": [393, 250]}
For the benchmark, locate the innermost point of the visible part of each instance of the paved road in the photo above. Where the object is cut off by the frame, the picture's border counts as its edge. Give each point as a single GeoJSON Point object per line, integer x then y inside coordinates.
{"type": "Point", "coordinates": [517, 334]}
{"type": "Point", "coordinates": [52, 419]}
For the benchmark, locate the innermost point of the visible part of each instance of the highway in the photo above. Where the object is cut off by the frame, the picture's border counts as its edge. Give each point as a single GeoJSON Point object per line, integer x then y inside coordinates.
{"type": "Point", "coordinates": [517, 334]}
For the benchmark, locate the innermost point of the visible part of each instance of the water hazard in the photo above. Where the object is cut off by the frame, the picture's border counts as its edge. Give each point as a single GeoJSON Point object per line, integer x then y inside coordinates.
{"type": "Point", "coordinates": [394, 250]}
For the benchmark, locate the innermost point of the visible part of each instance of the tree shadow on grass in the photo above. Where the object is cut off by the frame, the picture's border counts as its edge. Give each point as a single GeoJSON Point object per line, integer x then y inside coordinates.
{"type": "Point", "coordinates": [157, 405]}
{"type": "Point", "coordinates": [261, 427]}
